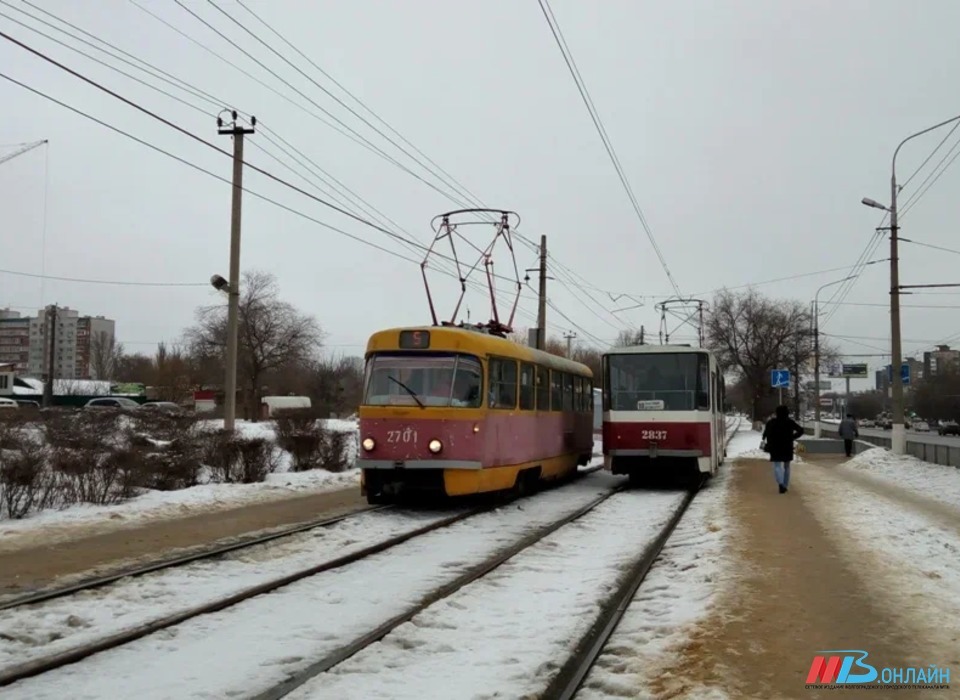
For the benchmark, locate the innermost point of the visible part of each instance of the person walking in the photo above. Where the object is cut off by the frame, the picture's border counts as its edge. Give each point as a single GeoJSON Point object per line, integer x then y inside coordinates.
{"type": "Point", "coordinates": [848, 431]}
{"type": "Point", "coordinates": [778, 436]}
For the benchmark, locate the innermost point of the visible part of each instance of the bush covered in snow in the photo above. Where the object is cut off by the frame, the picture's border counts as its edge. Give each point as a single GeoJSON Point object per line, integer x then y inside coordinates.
{"type": "Point", "coordinates": [59, 458]}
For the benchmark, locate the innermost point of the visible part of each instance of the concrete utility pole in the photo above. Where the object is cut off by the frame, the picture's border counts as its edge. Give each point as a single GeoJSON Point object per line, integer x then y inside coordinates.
{"type": "Point", "coordinates": [898, 434]}
{"type": "Point", "coordinates": [542, 306]}
{"type": "Point", "coordinates": [233, 305]}
{"type": "Point", "coordinates": [51, 358]}
{"type": "Point", "coordinates": [569, 338]}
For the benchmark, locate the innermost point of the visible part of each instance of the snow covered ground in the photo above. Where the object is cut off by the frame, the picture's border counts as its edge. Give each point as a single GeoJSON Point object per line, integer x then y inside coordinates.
{"type": "Point", "coordinates": [258, 643]}
{"type": "Point", "coordinates": [934, 481]}
{"type": "Point", "coordinates": [913, 556]}
{"type": "Point", "coordinates": [505, 634]}
{"type": "Point", "coordinates": [680, 590]}
{"type": "Point", "coordinates": [54, 627]}
{"type": "Point", "coordinates": [58, 525]}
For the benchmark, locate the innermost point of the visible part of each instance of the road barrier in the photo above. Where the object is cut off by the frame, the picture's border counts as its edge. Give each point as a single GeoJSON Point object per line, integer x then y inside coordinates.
{"type": "Point", "coordinates": [936, 453]}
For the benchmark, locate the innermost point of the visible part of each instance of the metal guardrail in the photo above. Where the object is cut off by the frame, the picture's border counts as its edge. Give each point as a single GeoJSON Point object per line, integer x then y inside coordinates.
{"type": "Point", "coordinates": [925, 450]}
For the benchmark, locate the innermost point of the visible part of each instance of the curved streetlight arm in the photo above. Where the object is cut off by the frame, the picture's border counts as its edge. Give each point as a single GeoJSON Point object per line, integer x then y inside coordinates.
{"type": "Point", "coordinates": [893, 165]}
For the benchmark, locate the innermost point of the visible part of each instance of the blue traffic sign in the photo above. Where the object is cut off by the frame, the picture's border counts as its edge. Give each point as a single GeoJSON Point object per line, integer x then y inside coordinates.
{"type": "Point", "coordinates": [904, 373]}
{"type": "Point", "coordinates": [780, 379]}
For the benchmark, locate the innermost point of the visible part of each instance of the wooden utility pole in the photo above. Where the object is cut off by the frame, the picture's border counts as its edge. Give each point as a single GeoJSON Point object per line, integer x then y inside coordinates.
{"type": "Point", "coordinates": [51, 357]}
{"type": "Point", "coordinates": [233, 305]}
{"type": "Point", "coordinates": [542, 306]}
{"type": "Point", "coordinates": [569, 338]}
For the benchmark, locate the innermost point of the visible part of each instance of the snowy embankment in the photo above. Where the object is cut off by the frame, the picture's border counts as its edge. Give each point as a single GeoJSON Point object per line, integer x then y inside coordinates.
{"type": "Point", "coordinates": [494, 637]}
{"type": "Point", "coordinates": [680, 591]}
{"type": "Point", "coordinates": [57, 525]}
{"type": "Point", "coordinates": [258, 643]}
{"type": "Point", "coordinates": [62, 624]}
{"type": "Point", "coordinates": [903, 471]}
{"type": "Point", "coordinates": [911, 552]}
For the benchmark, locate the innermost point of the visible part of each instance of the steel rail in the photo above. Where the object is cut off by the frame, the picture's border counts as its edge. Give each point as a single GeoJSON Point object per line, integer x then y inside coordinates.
{"type": "Point", "coordinates": [35, 667]}
{"type": "Point", "coordinates": [42, 596]}
{"type": "Point", "coordinates": [306, 674]}
{"type": "Point", "coordinates": [567, 682]}
{"type": "Point", "coordinates": [11, 674]}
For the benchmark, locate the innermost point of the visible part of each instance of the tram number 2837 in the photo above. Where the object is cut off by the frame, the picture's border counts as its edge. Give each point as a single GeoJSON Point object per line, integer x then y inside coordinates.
{"type": "Point", "coordinates": [653, 435]}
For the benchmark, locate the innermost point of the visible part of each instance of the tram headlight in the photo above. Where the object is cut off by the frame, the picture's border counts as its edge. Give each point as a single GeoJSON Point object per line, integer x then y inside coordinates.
{"type": "Point", "coordinates": [368, 444]}
{"type": "Point", "coordinates": [435, 446]}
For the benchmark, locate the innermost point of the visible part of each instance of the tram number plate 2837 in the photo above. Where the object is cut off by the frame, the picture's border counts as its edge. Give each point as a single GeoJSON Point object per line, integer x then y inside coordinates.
{"type": "Point", "coordinates": [653, 434]}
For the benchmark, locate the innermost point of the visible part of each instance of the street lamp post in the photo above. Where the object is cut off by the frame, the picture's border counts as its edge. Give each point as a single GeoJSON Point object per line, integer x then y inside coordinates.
{"type": "Point", "coordinates": [816, 353]}
{"type": "Point", "coordinates": [898, 433]}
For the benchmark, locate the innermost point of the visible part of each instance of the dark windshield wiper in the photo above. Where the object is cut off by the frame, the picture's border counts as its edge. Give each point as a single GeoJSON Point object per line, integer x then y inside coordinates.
{"type": "Point", "coordinates": [408, 389]}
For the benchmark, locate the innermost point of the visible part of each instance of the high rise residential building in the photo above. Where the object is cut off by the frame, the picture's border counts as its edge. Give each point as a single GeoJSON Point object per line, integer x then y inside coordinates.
{"type": "Point", "coordinates": [941, 361]}
{"type": "Point", "coordinates": [78, 342]}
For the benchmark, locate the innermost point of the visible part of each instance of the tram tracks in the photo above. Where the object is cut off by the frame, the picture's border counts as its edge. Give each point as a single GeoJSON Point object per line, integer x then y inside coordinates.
{"type": "Point", "coordinates": [131, 632]}
{"type": "Point", "coordinates": [92, 583]}
{"type": "Point", "coordinates": [347, 646]}
{"type": "Point", "coordinates": [44, 664]}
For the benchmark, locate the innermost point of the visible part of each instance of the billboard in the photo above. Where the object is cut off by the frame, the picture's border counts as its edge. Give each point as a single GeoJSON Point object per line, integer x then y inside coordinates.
{"type": "Point", "coordinates": [854, 371]}
{"type": "Point", "coordinates": [825, 385]}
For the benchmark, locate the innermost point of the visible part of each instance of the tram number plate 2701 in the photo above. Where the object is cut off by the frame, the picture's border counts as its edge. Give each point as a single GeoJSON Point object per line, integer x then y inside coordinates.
{"type": "Point", "coordinates": [653, 434]}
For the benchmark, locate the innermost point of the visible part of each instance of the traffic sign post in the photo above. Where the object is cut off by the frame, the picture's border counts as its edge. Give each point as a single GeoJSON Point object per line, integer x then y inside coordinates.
{"type": "Point", "coordinates": [904, 373]}
{"type": "Point", "coordinates": [780, 378]}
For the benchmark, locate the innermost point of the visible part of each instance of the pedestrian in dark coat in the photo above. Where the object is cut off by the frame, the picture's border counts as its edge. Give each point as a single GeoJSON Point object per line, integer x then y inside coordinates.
{"type": "Point", "coordinates": [778, 437]}
{"type": "Point", "coordinates": [848, 431]}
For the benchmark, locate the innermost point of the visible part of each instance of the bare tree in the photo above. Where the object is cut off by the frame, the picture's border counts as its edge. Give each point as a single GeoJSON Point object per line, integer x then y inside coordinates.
{"type": "Point", "coordinates": [272, 334]}
{"type": "Point", "coordinates": [752, 335]}
{"type": "Point", "coordinates": [629, 337]}
{"type": "Point", "coordinates": [105, 354]}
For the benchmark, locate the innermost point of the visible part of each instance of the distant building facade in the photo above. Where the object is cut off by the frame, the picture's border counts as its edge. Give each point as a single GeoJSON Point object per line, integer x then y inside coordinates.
{"type": "Point", "coordinates": [917, 372]}
{"type": "Point", "coordinates": [24, 342]}
{"type": "Point", "coordinates": [941, 361]}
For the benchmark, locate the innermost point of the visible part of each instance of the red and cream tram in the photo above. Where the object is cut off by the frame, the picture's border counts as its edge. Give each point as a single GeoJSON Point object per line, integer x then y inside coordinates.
{"type": "Point", "coordinates": [662, 412]}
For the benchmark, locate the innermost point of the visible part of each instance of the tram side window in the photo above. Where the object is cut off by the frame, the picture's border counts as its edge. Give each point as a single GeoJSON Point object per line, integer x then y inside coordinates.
{"type": "Point", "coordinates": [703, 383]}
{"type": "Point", "coordinates": [578, 394]}
{"type": "Point", "coordinates": [556, 391]}
{"type": "Point", "coordinates": [503, 383]}
{"type": "Point", "coordinates": [567, 392]}
{"type": "Point", "coordinates": [527, 391]}
{"type": "Point", "coordinates": [543, 389]}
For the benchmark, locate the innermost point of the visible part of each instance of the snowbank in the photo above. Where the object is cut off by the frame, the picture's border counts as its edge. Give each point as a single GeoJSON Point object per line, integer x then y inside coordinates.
{"type": "Point", "coordinates": [908, 559]}
{"type": "Point", "coordinates": [925, 478]}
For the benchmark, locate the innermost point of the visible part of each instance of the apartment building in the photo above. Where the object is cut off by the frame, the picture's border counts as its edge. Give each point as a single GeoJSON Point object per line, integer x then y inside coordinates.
{"type": "Point", "coordinates": [24, 342]}
{"type": "Point", "coordinates": [943, 360]}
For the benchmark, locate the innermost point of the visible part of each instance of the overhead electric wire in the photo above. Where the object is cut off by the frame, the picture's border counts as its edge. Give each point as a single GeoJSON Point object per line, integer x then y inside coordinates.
{"type": "Point", "coordinates": [302, 94]}
{"type": "Point", "coordinates": [584, 94]}
{"type": "Point", "coordinates": [843, 290]}
{"type": "Point", "coordinates": [211, 174]}
{"type": "Point", "coordinates": [18, 273]}
{"type": "Point", "coordinates": [185, 86]}
{"type": "Point", "coordinates": [460, 186]}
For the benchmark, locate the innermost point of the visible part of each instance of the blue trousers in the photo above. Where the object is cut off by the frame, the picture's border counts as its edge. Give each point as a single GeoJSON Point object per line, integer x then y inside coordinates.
{"type": "Point", "coordinates": [781, 470]}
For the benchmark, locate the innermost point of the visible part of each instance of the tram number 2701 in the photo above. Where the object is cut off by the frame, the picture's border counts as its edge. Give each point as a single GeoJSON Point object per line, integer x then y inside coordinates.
{"type": "Point", "coordinates": [653, 435]}
{"type": "Point", "coordinates": [407, 435]}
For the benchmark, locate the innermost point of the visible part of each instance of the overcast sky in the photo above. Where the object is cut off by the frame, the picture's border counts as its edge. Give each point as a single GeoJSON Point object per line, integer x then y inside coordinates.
{"type": "Point", "coordinates": [749, 132]}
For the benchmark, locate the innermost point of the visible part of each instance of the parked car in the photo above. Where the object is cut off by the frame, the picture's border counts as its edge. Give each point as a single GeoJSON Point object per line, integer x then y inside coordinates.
{"type": "Point", "coordinates": [112, 402]}
{"type": "Point", "coordinates": [8, 404]}
{"type": "Point", "coordinates": [949, 427]}
{"type": "Point", "coordinates": [921, 426]}
{"type": "Point", "coordinates": [162, 407]}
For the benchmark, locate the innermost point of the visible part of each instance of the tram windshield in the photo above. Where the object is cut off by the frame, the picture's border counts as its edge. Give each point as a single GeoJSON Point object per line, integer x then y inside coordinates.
{"type": "Point", "coordinates": [424, 379]}
{"type": "Point", "coordinates": [657, 382]}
